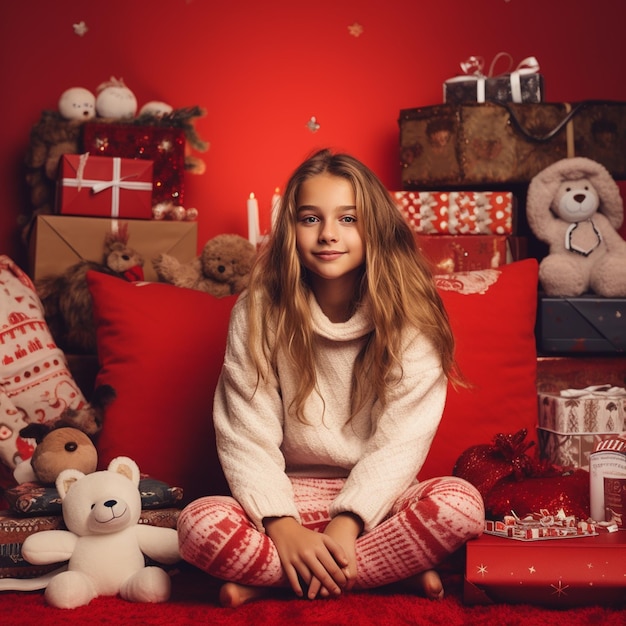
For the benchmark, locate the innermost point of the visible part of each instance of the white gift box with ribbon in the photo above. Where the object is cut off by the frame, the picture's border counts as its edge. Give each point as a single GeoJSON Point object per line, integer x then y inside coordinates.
{"type": "Point", "coordinates": [522, 84]}
{"type": "Point", "coordinates": [105, 187]}
{"type": "Point", "coordinates": [574, 421]}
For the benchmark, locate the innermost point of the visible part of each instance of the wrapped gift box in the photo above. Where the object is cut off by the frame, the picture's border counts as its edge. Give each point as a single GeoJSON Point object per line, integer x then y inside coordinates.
{"type": "Point", "coordinates": [572, 422]}
{"type": "Point", "coordinates": [508, 87]}
{"type": "Point", "coordinates": [104, 186]}
{"type": "Point", "coordinates": [493, 143]}
{"type": "Point", "coordinates": [557, 573]}
{"type": "Point", "coordinates": [163, 145]}
{"type": "Point", "coordinates": [462, 253]}
{"type": "Point", "coordinates": [607, 481]}
{"type": "Point", "coordinates": [457, 212]}
{"type": "Point", "coordinates": [523, 84]}
{"type": "Point", "coordinates": [59, 241]}
{"type": "Point", "coordinates": [586, 323]}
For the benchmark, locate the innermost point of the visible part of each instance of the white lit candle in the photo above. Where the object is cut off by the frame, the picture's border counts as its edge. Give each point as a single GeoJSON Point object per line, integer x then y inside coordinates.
{"type": "Point", "coordinates": [253, 220]}
{"type": "Point", "coordinates": [275, 205]}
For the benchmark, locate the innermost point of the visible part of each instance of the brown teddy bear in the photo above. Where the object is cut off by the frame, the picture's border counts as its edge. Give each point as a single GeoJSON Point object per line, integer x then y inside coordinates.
{"type": "Point", "coordinates": [66, 298]}
{"type": "Point", "coordinates": [50, 138]}
{"type": "Point", "coordinates": [58, 449]}
{"type": "Point", "coordinates": [68, 442]}
{"type": "Point", "coordinates": [222, 269]}
{"type": "Point", "coordinates": [575, 206]}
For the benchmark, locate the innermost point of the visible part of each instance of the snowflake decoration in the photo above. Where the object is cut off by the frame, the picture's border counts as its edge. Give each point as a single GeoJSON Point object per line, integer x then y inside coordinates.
{"type": "Point", "coordinates": [355, 29]}
{"type": "Point", "coordinates": [313, 125]}
{"type": "Point", "coordinates": [482, 569]}
{"type": "Point", "coordinates": [559, 589]}
{"type": "Point", "coordinates": [80, 29]}
{"type": "Point", "coordinates": [532, 569]}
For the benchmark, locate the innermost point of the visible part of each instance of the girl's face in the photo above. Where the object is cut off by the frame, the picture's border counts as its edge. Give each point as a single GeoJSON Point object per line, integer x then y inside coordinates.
{"type": "Point", "coordinates": [329, 238]}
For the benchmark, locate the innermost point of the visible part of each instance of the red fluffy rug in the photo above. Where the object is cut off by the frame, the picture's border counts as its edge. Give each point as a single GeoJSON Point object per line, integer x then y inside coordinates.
{"type": "Point", "coordinates": [194, 601]}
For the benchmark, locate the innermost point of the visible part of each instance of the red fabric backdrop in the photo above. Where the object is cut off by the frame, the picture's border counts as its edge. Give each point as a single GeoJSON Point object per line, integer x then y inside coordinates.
{"type": "Point", "coordinates": [263, 69]}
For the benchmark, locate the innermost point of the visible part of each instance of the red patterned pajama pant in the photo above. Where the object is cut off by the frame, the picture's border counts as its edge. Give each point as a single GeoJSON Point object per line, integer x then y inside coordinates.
{"type": "Point", "coordinates": [430, 521]}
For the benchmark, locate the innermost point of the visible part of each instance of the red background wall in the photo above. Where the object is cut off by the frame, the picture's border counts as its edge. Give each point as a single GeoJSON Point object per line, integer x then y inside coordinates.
{"type": "Point", "coordinates": [262, 69]}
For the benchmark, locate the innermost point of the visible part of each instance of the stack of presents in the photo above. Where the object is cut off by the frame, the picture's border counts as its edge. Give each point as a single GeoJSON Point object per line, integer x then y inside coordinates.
{"type": "Point", "coordinates": [466, 168]}
{"type": "Point", "coordinates": [492, 135]}
{"type": "Point", "coordinates": [123, 177]}
{"type": "Point", "coordinates": [467, 165]}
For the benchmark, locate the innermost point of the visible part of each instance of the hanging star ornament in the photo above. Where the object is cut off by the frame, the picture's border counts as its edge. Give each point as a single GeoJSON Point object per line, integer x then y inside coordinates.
{"type": "Point", "coordinates": [356, 30]}
{"type": "Point", "coordinates": [313, 125]}
{"type": "Point", "coordinates": [80, 29]}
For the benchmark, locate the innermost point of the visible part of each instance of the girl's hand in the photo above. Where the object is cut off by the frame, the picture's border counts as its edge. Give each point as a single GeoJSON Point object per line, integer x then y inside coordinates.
{"type": "Point", "coordinates": [344, 530]}
{"type": "Point", "coordinates": [315, 558]}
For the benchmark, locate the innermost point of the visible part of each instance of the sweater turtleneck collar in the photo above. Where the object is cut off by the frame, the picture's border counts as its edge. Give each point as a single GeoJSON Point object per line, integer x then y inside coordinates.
{"type": "Point", "coordinates": [357, 326]}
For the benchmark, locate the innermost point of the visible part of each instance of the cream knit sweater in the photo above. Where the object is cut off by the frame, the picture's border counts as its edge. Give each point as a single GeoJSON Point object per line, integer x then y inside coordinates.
{"type": "Point", "coordinates": [379, 452]}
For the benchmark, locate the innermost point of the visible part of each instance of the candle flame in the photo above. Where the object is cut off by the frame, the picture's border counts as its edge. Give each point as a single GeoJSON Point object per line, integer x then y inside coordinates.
{"type": "Point", "coordinates": [251, 196]}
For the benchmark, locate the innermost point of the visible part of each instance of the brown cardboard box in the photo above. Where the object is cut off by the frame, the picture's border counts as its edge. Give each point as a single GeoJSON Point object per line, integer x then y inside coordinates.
{"type": "Point", "coordinates": [58, 241]}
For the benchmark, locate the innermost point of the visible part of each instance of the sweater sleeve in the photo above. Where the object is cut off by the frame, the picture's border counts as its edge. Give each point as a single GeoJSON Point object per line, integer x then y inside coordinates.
{"type": "Point", "coordinates": [248, 416]}
{"type": "Point", "coordinates": [403, 432]}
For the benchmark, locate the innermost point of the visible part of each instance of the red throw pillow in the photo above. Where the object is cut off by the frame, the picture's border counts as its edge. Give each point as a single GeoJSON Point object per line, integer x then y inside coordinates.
{"type": "Point", "coordinates": [492, 314]}
{"type": "Point", "coordinates": [161, 348]}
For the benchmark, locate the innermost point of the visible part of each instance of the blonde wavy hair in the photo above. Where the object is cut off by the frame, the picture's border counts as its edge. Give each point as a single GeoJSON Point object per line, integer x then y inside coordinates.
{"type": "Point", "coordinates": [396, 281]}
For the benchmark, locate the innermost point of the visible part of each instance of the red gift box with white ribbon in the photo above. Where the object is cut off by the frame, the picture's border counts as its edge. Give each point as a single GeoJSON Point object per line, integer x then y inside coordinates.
{"type": "Point", "coordinates": [96, 186]}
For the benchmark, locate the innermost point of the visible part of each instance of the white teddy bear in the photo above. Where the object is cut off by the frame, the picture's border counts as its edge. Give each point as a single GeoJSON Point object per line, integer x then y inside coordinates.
{"type": "Point", "coordinates": [105, 543]}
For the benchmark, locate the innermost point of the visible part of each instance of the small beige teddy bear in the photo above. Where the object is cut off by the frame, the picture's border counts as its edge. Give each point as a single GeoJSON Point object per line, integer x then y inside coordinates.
{"type": "Point", "coordinates": [222, 269]}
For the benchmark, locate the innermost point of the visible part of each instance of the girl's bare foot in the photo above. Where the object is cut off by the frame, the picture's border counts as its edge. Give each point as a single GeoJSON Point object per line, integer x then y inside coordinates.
{"type": "Point", "coordinates": [427, 583]}
{"type": "Point", "coordinates": [233, 595]}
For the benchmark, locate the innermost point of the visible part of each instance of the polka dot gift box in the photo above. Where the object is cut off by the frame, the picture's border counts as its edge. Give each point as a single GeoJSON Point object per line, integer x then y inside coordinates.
{"type": "Point", "coordinates": [457, 212]}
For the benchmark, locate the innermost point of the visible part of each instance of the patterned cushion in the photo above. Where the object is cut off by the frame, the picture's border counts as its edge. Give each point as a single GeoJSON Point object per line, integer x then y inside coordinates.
{"type": "Point", "coordinates": [36, 499]}
{"type": "Point", "coordinates": [35, 382]}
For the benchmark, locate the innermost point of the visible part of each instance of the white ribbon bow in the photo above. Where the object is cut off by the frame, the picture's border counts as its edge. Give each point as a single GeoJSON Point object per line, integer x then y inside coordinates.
{"type": "Point", "coordinates": [595, 391]}
{"type": "Point", "coordinates": [473, 69]}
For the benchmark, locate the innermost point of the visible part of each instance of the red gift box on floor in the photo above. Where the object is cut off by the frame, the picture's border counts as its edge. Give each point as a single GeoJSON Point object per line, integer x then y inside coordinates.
{"type": "Point", "coordinates": [163, 145]}
{"type": "Point", "coordinates": [104, 187]}
{"type": "Point", "coordinates": [557, 573]}
{"type": "Point", "coordinates": [457, 212]}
